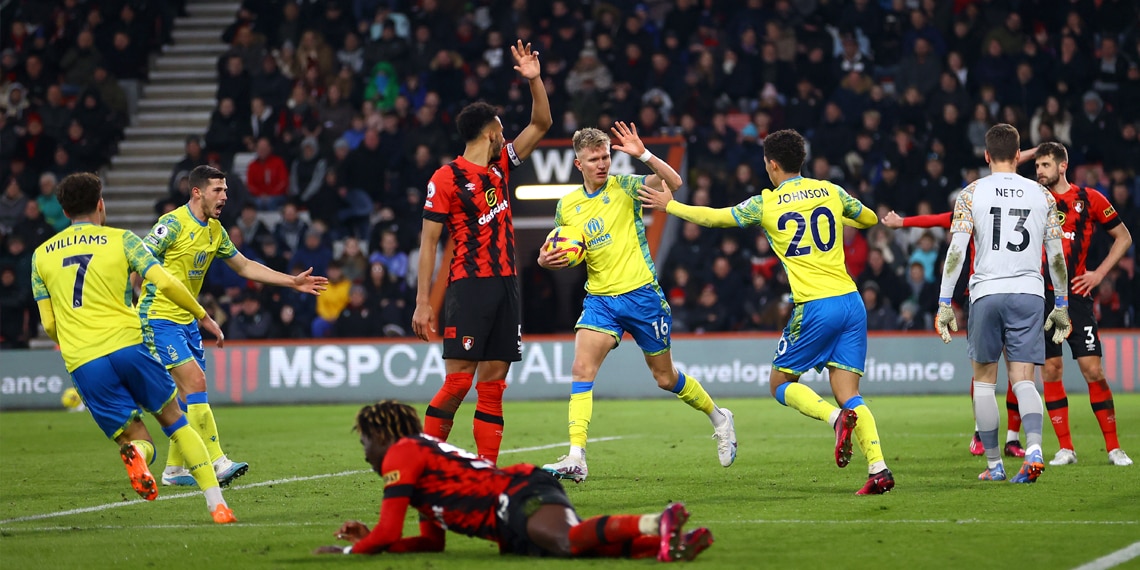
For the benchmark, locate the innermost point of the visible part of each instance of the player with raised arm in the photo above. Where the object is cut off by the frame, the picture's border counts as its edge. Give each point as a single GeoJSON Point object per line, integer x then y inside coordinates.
{"type": "Point", "coordinates": [1081, 211]}
{"type": "Point", "coordinates": [1010, 219]}
{"type": "Point", "coordinates": [482, 310]}
{"type": "Point", "coordinates": [186, 241]}
{"type": "Point", "coordinates": [1013, 446]}
{"type": "Point", "coordinates": [622, 293]}
{"type": "Point", "coordinates": [522, 508]}
{"type": "Point", "coordinates": [81, 283]}
{"type": "Point", "coordinates": [802, 217]}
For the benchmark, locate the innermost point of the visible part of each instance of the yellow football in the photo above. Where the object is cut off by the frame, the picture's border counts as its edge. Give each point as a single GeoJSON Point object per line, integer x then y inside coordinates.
{"type": "Point", "coordinates": [568, 239]}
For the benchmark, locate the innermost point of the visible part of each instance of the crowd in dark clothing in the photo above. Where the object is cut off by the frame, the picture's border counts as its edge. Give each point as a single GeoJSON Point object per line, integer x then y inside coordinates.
{"type": "Point", "coordinates": [347, 107]}
{"type": "Point", "coordinates": [63, 108]}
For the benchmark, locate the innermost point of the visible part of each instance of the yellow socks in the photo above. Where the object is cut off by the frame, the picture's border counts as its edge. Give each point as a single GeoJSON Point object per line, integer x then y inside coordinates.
{"type": "Point", "coordinates": [201, 418]}
{"type": "Point", "coordinates": [690, 391]}
{"type": "Point", "coordinates": [867, 434]}
{"type": "Point", "coordinates": [581, 409]}
{"type": "Point", "coordinates": [805, 401]}
{"type": "Point", "coordinates": [147, 449]}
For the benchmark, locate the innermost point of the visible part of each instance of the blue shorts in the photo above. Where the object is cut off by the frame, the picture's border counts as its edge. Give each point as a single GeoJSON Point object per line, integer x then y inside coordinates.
{"type": "Point", "coordinates": [824, 332]}
{"type": "Point", "coordinates": [115, 386]}
{"type": "Point", "coordinates": [174, 344]}
{"type": "Point", "coordinates": [643, 312]}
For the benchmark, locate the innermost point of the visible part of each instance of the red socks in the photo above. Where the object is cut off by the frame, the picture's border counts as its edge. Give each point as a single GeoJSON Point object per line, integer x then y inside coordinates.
{"type": "Point", "coordinates": [1057, 405]}
{"type": "Point", "coordinates": [489, 418]}
{"type": "Point", "coordinates": [440, 413]}
{"type": "Point", "coordinates": [1011, 410]}
{"type": "Point", "coordinates": [607, 535]}
{"type": "Point", "coordinates": [1101, 398]}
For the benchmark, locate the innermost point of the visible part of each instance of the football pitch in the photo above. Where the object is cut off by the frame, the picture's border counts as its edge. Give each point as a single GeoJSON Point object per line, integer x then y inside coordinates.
{"type": "Point", "coordinates": [66, 502]}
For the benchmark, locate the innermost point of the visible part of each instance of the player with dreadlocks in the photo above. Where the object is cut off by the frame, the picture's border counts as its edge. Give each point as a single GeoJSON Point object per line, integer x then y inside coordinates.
{"type": "Point", "coordinates": [522, 508]}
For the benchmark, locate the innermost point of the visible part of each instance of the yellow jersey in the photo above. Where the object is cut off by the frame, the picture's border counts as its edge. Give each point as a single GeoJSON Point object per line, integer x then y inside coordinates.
{"type": "Point", "coordinates": [185, 246]}
{"type": "Point", "coordinates": [617, 253]}
{"type": "Point", "coordinates": [801, 218]}
{"type": "Point", "coordinates": [85, 271]}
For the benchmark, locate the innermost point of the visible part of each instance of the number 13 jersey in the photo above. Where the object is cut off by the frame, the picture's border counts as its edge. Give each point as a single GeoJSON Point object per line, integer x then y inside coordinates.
{"type": "Point", "coordinates": [1010, 217]}
{"type": "Point", "coordinates": [803, 221]}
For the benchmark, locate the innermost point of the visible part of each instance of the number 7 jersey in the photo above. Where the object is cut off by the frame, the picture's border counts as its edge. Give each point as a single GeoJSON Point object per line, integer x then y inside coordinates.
{"type": "Point", "coordinates": [803, 221]}
{"type": "Point", "coordinates": [85, 271]}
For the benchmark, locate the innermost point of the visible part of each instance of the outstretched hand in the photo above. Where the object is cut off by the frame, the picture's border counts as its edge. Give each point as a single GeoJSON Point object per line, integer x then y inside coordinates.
{"type": "Point", "coordinates": [892, 220]}
{"type": "Point", "coordinates": [627, 135]}
{"type": "Point", "coordinates": [526, 61]}
{"type": "Point", "coordinates": [306, 282]}
{"type": "Point", "coordinates": [656, 199]}
{"type": "Point", "coordinates": [944, 322]}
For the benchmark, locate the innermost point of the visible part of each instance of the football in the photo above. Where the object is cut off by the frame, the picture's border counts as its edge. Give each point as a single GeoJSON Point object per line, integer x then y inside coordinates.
{"type": "Point", "coordinates": [568, 239]}
{"type": "Point", "coordinates": [71, 400]}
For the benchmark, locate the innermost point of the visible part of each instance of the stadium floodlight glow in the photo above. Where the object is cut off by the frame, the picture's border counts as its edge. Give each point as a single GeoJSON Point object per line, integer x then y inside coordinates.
{"type": "Point", "coordinates": [544, 191]}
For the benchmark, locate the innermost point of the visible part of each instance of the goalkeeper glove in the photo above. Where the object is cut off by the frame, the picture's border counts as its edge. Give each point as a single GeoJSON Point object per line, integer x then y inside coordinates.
{"type": "Point", "coordinates": [1058, 321]}
{"type": "Point", "coordinates": [945, 322]}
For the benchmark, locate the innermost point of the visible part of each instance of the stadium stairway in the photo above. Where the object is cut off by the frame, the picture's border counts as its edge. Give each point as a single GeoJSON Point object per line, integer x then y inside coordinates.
{"type": "Point", "coordinates": [175, 102]}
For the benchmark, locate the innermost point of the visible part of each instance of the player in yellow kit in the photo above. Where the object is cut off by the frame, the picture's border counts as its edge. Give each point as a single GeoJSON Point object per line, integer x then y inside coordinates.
{"type": "Point", "coordinates": [81, 282]}
{"type": "Point", "coordinates": [803, 219]}
{"type": "Point", "coordinates": [186, 241]}
{"type": "Point", "coordinates": [622, 293]}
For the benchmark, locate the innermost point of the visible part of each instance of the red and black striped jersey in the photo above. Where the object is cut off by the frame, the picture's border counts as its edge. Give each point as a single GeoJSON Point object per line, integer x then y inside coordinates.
{"type": "Point", "coordinates": [472, 201]}
{"type": "Point", "coordinates": [1081, 210]}
{"type": "Point", "coordinates": [451, 488]}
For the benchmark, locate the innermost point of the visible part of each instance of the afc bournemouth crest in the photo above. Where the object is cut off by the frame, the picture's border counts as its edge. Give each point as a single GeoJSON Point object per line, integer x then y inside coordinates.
{"type": "Point", "coordinates": [468, 342]}
{"type": "Point", "coordinates": [1079, 206]}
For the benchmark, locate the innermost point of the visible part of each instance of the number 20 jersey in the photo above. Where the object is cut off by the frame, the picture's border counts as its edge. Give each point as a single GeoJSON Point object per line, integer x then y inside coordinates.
{"type": "Point", "coordinates": [1010, 217]}
{"type": "Point", "coordinates": [803, 221]}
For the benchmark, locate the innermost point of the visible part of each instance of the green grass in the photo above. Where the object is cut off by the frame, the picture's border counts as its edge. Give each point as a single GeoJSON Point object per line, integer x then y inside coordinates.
{"type": "Point", "coordinates": [783, 504]}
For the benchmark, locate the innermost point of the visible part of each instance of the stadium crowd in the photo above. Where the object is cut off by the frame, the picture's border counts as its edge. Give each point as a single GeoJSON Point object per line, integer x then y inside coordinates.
{"type": "Point", "coordinates": [343, 109]}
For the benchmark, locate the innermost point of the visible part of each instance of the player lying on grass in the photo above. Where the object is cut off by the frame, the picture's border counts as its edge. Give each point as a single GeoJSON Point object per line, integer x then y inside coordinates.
{"type": "Point", "coordinates": [80, 278]}
{"type": "Point", "coordinates": [522, 508]}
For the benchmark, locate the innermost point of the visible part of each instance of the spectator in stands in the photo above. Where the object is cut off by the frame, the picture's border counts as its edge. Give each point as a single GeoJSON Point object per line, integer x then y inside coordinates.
{"type": "Point", "coordinates": [314, 252]}
{"type": "Point", "coordinates": [32, 226]}
{"type": "Point", "coordinates": [307, 172]}
{"type": "Point", "coordinates": [262, 123]}
{"type": "Point", "coordinates": [251, 321]}
{"type": "Point", "coordinates": [36, 147]}
{"type": "Point", "coordinates": [926, 255]}
{"type": "Point", "coordinates": [267, 178]}
{"type": "Point", "coordinates": [387, 252]}
{"type": "Point", "coordinates": [235, 84]}
{"type": "Point", "coordinates": [250, 225]}
{"type": "Point", "coordinates": [49, 204]}
{"type": "Point", "coordinates": [922, 291]}
{"type": "Point", "coordinates": [270, 83]}
{"type": "Point", "coordinates": [286, 325]}
{"type": "Point", "coordinates": [15, 312]}
{"type": "Point", "coordinates": [880, 315]}
{"type": "Point", "coordinates": [12, 204]}
{"type": "Point", "coordinates": [226, 132]}
{"type": "Point", "coordinates": [352, 260]}
{"type": "Point", "coordinates": [357, 319]}
{"type": "Point", "coordinates": [331, 302]}
{"type": "Point", "coordinates": [78, 64]}
{"type": "Point", "coordinates": [335, 115]}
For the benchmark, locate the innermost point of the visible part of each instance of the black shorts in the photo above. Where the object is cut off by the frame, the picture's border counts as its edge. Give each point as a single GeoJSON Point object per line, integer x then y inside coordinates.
{"type": "Point", "coordinates": [482, 319]}
{"type": "Point", "coordinates": [523, 498]}
{"type": "Point", "coordinates": [1085, 338]}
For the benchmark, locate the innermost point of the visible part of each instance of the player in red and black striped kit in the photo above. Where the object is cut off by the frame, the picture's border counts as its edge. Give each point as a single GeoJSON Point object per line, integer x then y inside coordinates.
{"type": "Point", "coordinates": [1012, 442]}
{"type": "Point", "coordinates": [522, 508]}
{"type": "Point", "coordinates": [482, 309]}
{"type": "Point", "coordinates": [1082, 210]}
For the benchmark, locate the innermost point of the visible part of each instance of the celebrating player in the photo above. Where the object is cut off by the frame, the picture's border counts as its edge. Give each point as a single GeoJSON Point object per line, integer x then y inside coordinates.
{"type": "Point", "coordinates": [79, 278]}
{"type": "Point", "coordinates": [828, 326]}
{"type": "Point", "coordinates": [622, 293]}
{"type": "Point", "coordinates": [520, 507]}
{"type": "Point", "coordinates": [1081, 210]}
{"type": "Point", "coordinates": [482, 311]}
{"type": "Point", "coordinates": [1010, 218]}
{"type": "Point", "coordinates": [186, 241]}
{"type": "Point", "coordinates": [1013, 446]}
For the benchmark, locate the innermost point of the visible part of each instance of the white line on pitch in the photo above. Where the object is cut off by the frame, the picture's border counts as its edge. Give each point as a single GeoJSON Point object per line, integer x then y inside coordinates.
{"type": "Point", "coordinates": [118, 504]}
{"type": "Point", "coordinates": [1113, 559]}
{"type": "Point", "coordinates": [925, 521]}
{"type": "Point", "coordinates": [157, 526]}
